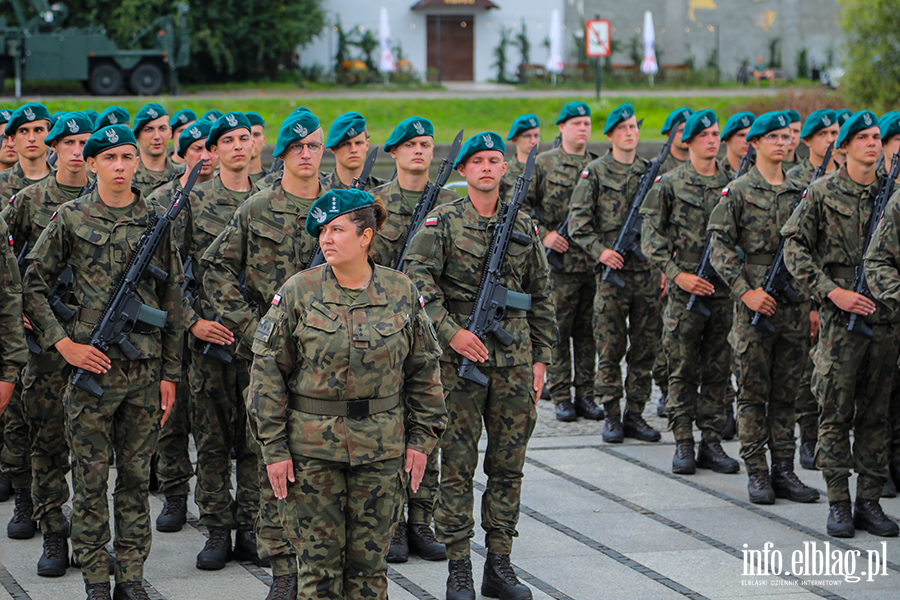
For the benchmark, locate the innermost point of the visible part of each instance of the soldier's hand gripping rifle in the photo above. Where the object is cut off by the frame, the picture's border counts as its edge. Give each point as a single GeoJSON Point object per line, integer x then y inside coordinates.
{"type": "Point", "coordinates": [33, 346]}
{"type": "Point", "coordinates": [778, 279]}
{"type": "Point", "coordinates": [358, 182]}
{"type": "Point", "coordinates": [860, 286]}
{"type": "Point", "coordinates": [427, 199]}
{"type": "Point", "coordinates": [124, 310]}
{"type": "Point", "coordinates": [626, 241]}
{"type": "Point", "coordinates": [704, 268]}
{"type": "Point", "coordinates": [493, 300]}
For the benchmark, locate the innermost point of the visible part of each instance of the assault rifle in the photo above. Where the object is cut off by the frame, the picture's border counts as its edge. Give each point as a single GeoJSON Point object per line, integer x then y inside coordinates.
{"type": "Point", "coordinates": [427, 199]}
{"type": "Point", "coordinates": [358, 182]}
{"type": "Point", "coordinates": [191, 285]}
{"type": "Point", "coordinates": [626, 241]}
{"type": "Point", "coordinates": [778, 279]}
{"type": "Point", "coordinates": [493, 300]}
{"type": "Point", "coordinates": [215, 350]}
{"type": "Point", "coordinates": [124, 310]}
{"type": "Point", "coordinates": [860, 286]}
{"type": "Point", "coordinates": [704, 268]}
{"type": "Point", "coordinates": [33, 346]}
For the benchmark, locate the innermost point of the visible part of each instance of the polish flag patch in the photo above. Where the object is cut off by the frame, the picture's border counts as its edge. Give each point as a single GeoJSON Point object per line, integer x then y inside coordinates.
{"type": "Point", "coordinates": [53, 216]}
{"type": "Point", "coordinates": [10, 240]}
{"type": "Point", "coordinates": [431, 222]}
{"type": "Point", "coordinates": [422, 301]}
{"type": "Point", "coordinates": [584, 173]}
{"type": "Point", "coordinates": [803, 195]}
{"type": "Point", "coordinates": [658, 177]}
{"type": "Point", "coordinates": [724, 191]}
{"type": "Point", "coordinates": [276, 300]}
{"type": "Point", "coordinates": [11, 200]}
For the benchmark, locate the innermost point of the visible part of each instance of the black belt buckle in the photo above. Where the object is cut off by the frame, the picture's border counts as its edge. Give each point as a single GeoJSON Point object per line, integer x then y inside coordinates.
{"type": "Point", "coordinates": [356, 409]}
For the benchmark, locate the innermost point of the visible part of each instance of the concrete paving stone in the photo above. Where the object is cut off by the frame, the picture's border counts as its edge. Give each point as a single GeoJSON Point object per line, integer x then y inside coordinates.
{"type": "Point", "coordinates": [220, 585]}
{"type": "Point", "coordinates": [556, 497]}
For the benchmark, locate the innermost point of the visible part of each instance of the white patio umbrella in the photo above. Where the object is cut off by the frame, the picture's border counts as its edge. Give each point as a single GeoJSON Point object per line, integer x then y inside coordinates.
{"type": "Point", "coordinates": [386, 60]}
{"type": "Point", "coordinates": [648, 65]}
{"type": "Point", "coordinates": [555, 61]}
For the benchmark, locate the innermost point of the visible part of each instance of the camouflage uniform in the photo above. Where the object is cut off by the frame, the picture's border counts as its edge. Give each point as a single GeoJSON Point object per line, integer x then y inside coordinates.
{"type": "Point", "coordinates": [333, 182]}
{"type": "Point", "coordinates": [13, 180]}
{"type": "Point", "coordinates": [675, 214]}
{"type": "Point", "coordinates": [768, 367]}
{"type": "Point", "coordinates": [599, 205]}
{"type": "Point", "coordinates": [547, 203]}
{"type": "Point", "coordinates": [446, 259]}
{"type": "Point", "coordinates": [853, 374]}
{"type": "Point", "coordinates": [147, 181]}
{"type": "Point", "coordinates": [514, 168]}
{"type": "Point", "coordinates": [13, 351]}
{"type": "Point", "coordinates": [314, 352]}
{"type": "Point", "coordinates": [670, 164]}
{"type": "Point", "coordinates": [125, 421]}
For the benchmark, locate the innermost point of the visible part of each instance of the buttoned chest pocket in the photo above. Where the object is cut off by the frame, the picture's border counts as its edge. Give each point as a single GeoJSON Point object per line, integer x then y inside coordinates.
{"type": "Point", "coordinates": [471, 249]}
{"type": "Point", "coordinates": [611, 205]}
{"type": "Point", "coordinates": [320, 338]}
{"type": "Point", "coordinates": [393, 227]}
{"type": "Point", "coordinates": [391, 342]}
{"type": "Point", "coordinates": [558, 192]}
{"type": "Point", "coordinates": [42, 219]}
{"type": "Point", "coordinates": [687, 212]}
{"type": "Point", "coordinates": [263, 247]}
{"type": "Point", "coordinates": [517, 256]}
{"type": "Point", "coordinates": [759, 217]}
{"type": "Point", "coordinates": [90, 253]}
{"type": "Point", "coordinates": [208, 229]}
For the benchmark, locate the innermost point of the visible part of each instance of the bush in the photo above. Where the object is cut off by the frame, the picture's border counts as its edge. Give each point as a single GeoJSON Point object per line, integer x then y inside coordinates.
{"type": "Point", "coordinates": [803, 101]}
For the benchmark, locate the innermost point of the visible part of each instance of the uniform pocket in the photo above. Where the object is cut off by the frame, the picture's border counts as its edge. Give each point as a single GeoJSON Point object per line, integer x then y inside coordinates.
{"type": "Point", "coordinates": [390, 330]}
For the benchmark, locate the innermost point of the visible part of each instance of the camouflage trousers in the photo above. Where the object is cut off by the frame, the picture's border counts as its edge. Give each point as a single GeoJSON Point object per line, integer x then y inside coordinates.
{"type": "Point", "coordinates": [219, 419]}
{"type": "Point", "coordinates": [894, 455]}
{"type": "Point", "coordinates": [15, 460]}
{"type": "Point", "coordinates": [420, 504]}
{"type": "Point", "coordinates": [768, 370]}
{"type": "Point", "coordinates": [806, 408]}
{"type": "Point", "coordinates": [340, 519]}
{"type": "Point", "coordinates": [852, 383]}
{"type": "Point", "coordinates": [699, 359]}
{"type": "Point", "coordinates": [44, 381]}
{"type": "Point", "coordinates": [506, 410]}
{"type": "Point", "coordinates": [626, 325]}
{"type": "Point", "coordinates": [174, 468]}
{"type": "Point", "coordinates": [573, 296]}
{"type": "Point", "coordinates": [122, 425]}
{"type": "Point", "coordinates": [661, 366]}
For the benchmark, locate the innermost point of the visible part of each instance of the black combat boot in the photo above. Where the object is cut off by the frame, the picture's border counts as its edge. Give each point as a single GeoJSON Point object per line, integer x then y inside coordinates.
{"type": "Point", "coordinates": [683, 462]}
{"type": "Point", "coordinates": [613, 433]}
{"type": "Point", "coordinates": [712, 456]}
{"type": "Point", "coordinates": [423, 542]}
{"type": "Point", "coordinates": [21, 527]}
{"type": "Point", "coordinates": [130, 590]}
{"type": "Point", "coordinates": [399, 550]}
{"type": "Point", "coordinates": [787, 485]}
{"type": "Point", "coordinates": [97, 591]}
{"type": "Point", "coordinates": [889, 490]}
{"type": "Point", "coordinates": [730, 426]}
{"type": "Point", "coordinates": [6, 488]}
{"type": "Point", "coordinates": [173, 515]}
{"type": "Point", "coordinates": [661, 406]}
{"type": "Point", "coordinates": [869, 516]}
{"type": "Point", "coordinates": [217, 550]}
{"type": "Point", "coordinates": [55, 559]}
{"type": "Point", "coordinates": [634, 426]}
{"type": "Point", "coordinates": [500, 580]}
{"type": "Point", "coordinates": [565, 411]}
{"type": "Point", "coordinates": [545, 393]}
{"type": "Point", "coordinates": [587, 408]}
{"type": "Point", "coordinates": [759, 486]}
{"type": "Point", "coordinates": [808, 455]}
{"type": "Point", "coordinates": [840, 520]}
{"type": "Point", "coordinates": [284, 587]}
{"type": "Point", "coordinates": [245, 548]}
{"type": "Point", "coordinates": [460, 585]}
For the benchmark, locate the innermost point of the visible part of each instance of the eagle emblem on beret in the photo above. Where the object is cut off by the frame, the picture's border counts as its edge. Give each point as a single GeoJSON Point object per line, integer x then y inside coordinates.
{"type": "Point", "coordinates": [72, 125]}
{"type": "Point", "coordinates": [420, 129]}
{"type": "Point", "coordinates": [112, 136]}
{"type": "Point", "coordinates": [533, 122]}
{"type": "Point", "coordinates": [781, 120]}
{"type": "Point", "coordinates": [182, 118]}
{"type": "Point", "coordinates": [319, 215]}
{"type": "Point", "coordinates": [580, 110]}
{"type": "Point", "coordinates": [29, 114]}
{"type": "Point", "coordinates": [351, 132]}
{"type": "Point", "coordinates": [867, 119]}
{"type": "Point", "coordinates": [231, 119]}
{"type": "Point", "coordinates": [826, 121]}
{"type": "Point", "coordinates": [686, 114]}
{"type": "Point", "coordinates": [488, 140]}
{"type": "Point", "coordinates": [153, 114]}
{"type": "Point", "coordinates": [112, 118]}
{"type": "Point", "coordinates": [195, 133]}
{"type": "Point", "coordinates": [705, 120]}
{"type": "Point", "coordinates": [745, 121]}
{"type": "Point", "coordinates": [300, 130]}
{"type": "Point", "coordinates": [6, 114]}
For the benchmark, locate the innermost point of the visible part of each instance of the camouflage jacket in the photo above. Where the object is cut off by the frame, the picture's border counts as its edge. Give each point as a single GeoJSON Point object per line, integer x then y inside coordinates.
{"type": "Point", "coordinates": [13, 351]}
{"type": "Point", "coordinates": [804, 171]}
{"type": "Point", "coordinates": [883, 257]}
{"type": "Point", "coordinates": [270, 179]}
{"type": "Point", "coordinates": [333, 182]}
{"type": "Point", "coordinates": [147, 181]}
{"type": "Point", "coordinates": [446, 259]}
{"type": "Point", "coordinates": [514, 168]}
{"type": "Point", "coordinates": [266, 238]}
{"type": "Point", "coordinates": [257, 177]}
{"type": "Point", "coordinates": [749, 216]}
{"type": "Point", "coordinates": [317, 343]}
{"type": "Point", "coordinates": [676, 212]}
{"type": "Point", "coordinates": [13, 180]}
{"type": "Point", "coordinates": [29, 211]}
{"type": "Point", "coordinates": [827, 232]}
{"type": "Point", "coordinates": [670, 164]}
{"type": "Point", "coordinates": [600, 204]}
{"type": "Point", "coordinates": [549, 194]}
{"type": "Point", "coordinates": [86, 236]}
{"type": "Point", "coordinates": [729, 171]}
{"type": "Point", "coordinates": [388, 240]}
{"type": "Point", "coordinates": [787, 165]}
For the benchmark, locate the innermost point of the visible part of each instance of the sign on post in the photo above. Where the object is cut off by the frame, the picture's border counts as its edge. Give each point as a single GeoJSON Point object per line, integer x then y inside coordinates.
{"type": "Point", "coordinates": [597, 38]}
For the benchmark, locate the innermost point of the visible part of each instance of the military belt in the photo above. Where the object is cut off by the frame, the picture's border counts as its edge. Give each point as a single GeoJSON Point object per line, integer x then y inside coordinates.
{"type": "Point", "coordinates": [842, 272]}
{"type": "Point", "coordinates": [691, 257]}
{"type": "Point", "coordinates": [466, 308]}
{"type": "Point", "coordinates": [355, 409]}
{"type": "Point", "coordinates": [759, 259]}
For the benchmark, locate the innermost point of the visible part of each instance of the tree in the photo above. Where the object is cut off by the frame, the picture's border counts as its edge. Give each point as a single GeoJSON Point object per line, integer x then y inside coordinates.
{"type": "Point", "coordinates": [872, 73]}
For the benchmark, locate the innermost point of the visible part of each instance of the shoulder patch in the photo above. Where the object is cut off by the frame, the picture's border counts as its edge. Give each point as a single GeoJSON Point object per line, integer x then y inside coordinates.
{"type": "Point", "coordinates": [421, 298]}
{"type": "Point", "coordinates": [11, 242]}
{"type": "Point", "coordinates": [725, 191]}
{"type": "Point", "coordinates": [431, 222]}
{"type": "Point", "coordinates": [803, 195]}
{"type": "Point", "coordinates": [584, 173]}
{"type": "Point", "coordinates": [12, 199]}
{"type": "Point", "coordinates": [53, 216]}
{"type": "Point", "coordinates": [264, 331]}
{"type": "Point", "coordinates": [536, 232]}
{"type": "Point", "coordinates": [658, 177]}
{"type": "Point", "coordinates": [276, 300]}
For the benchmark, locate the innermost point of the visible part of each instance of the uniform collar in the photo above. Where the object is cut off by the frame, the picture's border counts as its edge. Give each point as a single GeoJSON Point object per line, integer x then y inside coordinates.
{"type": "Point", "coordinates": [375, 293]}
{"type": "Point", "coordinates": [139, 213]}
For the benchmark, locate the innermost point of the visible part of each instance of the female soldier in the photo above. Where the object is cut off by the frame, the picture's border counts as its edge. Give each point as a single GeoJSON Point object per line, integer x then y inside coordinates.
{"type": "Point", "coordinates": [343, 356]}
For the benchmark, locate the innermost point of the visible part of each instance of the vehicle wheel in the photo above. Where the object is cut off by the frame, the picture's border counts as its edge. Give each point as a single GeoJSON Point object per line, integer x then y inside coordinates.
{"type": "Point", "coordinates": [146, 80]}
{"type": "Point", "coordinates": [106, 80]}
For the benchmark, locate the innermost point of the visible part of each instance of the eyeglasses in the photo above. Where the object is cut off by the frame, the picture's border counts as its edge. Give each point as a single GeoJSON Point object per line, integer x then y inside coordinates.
{"type": "Point", "coordinates": [314, 147]}
{"type": "Point", "coordinates": [774, 137]}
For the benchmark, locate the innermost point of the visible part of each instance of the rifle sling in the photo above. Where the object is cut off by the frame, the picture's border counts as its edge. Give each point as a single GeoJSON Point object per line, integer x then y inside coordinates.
{"type": "Point", "coordinates": [466, 308]}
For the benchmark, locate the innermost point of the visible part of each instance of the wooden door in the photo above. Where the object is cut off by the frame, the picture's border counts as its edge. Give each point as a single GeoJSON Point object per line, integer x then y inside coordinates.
{"type": "Point", "coordinates": [452, 38]}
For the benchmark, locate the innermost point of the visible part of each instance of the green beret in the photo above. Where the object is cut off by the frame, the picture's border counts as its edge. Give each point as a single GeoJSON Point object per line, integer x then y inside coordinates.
{"type": "Point", "coordinates": [198, 130]}
{"type": "Point", "coordinates": [856, 123]}
{"type": "Point", "coordinates": [148, 112]}
{"type": "Point", "coordinates": [54, 117]}
{"type": "Point", "coordinates": [112, 115]}
{"type": "Point", "coordinates": [842, 115]}
{"type": "Point", "coordinates": [72, 123]}
{"type": "Point", "coordinates": [407, 129]}
{"type": "Point", "coordinates": [5, 115]}
{"type": "Point", "coordinates": [300, 109]}
{"type": "Point", "coordinates": [93, 114]}
{"type": "Point", "coordinates": [793, 114]}
{"type": "Point", "coordinates": [523, 123]}
{"type": "Point", "coordinates": [108, 137]}
{"type": "Point", "coordinates": [225, 124]}
{"type": "Point", "coordinates": [619, 114]}
{"type": "Point", "coordinates": [767, 122]}
{"type": "Point", "coordinates": [738, 121]}
{"type": "Point", "coordinates": [573, 110]}
{"type": "Point", "coordinates": [482, 141]}
{"type": "Point", "coordinates": [818, 120]}
{"type": "Point", "coordinates": [26, 114]}
{"type": "Point", "coordinates": [348, 125]}
{"type": "Point", "coordinates": [696, 123]}
{"type": "Point", "coordinates": [890, 125]}
{"type": "Point", "coordinates": [182, 117]}
{"type": "Point", "coordinates": [677, 116]}
{"type": "Point", "coordinates": [255, 118]}
{"type": "Point", "coordinates": [211, 115]}
{"type": "Point", "coordinates": [334, 204]}
{"type": "Point", "coordinates": [295, 128]}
